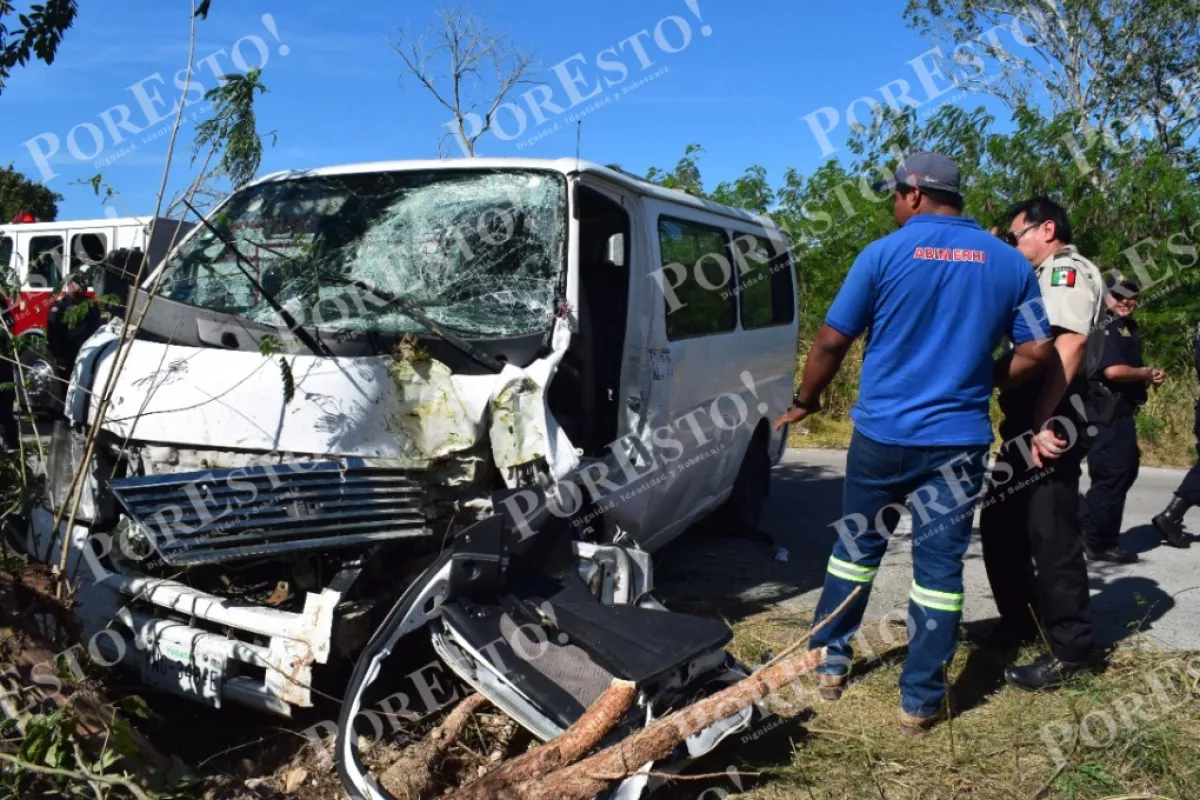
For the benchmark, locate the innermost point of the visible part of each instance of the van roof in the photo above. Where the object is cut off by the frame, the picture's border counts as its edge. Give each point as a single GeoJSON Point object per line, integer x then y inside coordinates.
{"type": "Point", "coordinates": [566, 166]}
{"type": "Point", "coordinates": [58, 225]}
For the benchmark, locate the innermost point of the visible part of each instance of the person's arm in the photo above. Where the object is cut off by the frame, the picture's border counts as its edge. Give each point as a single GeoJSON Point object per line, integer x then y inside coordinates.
{"type": "Point", "coordinates": [824, 360]}
{"type": "Point", "coordinates": [1123, 373]}
{"type": "Point", "coordinates": [1070, 349]}
{"type": "Point", "coordinates": [1030, 333]}
{"type": "Point", "coordinates": [848, 317]}
{"type": "Point", "coordinates": [820, 367]}
{"type": "Point", "coordinates": [1070, 308]}
{"type": "Point", "coordinates": [1022, 362]}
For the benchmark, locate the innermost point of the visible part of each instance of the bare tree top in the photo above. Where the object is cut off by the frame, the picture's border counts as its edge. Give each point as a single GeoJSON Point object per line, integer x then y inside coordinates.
{"type": "Point", "coordinates": [467, 67]}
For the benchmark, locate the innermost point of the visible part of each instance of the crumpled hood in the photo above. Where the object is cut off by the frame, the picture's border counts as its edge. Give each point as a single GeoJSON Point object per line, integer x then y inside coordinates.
{"type": "Point", "coordinates": [406, 413]}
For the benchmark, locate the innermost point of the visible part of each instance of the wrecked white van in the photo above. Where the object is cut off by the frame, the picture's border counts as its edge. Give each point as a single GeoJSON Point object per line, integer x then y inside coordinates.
{"type": "Point", "coordinates": [343, 369]}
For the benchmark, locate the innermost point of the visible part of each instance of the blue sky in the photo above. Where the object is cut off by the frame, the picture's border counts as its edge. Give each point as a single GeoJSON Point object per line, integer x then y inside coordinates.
{"type": "Point", "coordinates": [742, 91]}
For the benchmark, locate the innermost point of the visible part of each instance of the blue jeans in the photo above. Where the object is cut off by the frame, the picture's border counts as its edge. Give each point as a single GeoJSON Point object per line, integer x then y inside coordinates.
{"type": "Point", "coordinates": [941, 487]}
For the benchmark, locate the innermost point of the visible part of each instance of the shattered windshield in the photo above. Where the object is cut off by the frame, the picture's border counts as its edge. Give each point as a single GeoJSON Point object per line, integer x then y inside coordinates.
{"type": "Point", "coordinates": [481, 252]}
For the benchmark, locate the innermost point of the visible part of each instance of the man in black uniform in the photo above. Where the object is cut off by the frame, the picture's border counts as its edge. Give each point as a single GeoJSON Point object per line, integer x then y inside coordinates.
{"type": "Point", "coordinates": [1119, 388]}
{"type": "Point", "coordinates": [66, 328]}
{"type": "Point", "coordinates": [1170, 522]}
{"type": "Point", "coordinates": [1030, 530]}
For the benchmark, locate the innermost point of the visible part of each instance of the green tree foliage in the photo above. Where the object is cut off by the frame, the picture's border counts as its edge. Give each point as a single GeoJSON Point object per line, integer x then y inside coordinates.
{"type": "Point", "coordinates": [32, 34]}
{"type": "Point", "coordinates": [233, 127]}
{"type": "Point", "coordinates": [1134, 206]}
{"type": "Point", "coordinates": [686, 175]}
{"type": "Point", "coordinates": [18, 193]}
{"type": "Point", "coordinates": [1123, 62]}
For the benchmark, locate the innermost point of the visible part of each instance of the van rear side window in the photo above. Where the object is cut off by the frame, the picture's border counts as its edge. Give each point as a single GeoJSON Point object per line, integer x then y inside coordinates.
{"type": "Point", "coordinates": [697, 279]}
{"type": "Point", "coordinates": [765, 282]}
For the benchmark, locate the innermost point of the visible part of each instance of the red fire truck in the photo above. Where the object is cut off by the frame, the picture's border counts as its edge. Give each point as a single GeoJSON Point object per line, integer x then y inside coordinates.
{"type": "Point", "coordinates": [38, 256]}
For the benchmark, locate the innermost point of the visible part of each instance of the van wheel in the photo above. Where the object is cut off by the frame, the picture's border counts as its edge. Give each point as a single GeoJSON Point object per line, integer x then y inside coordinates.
{"type": "Point", "coordinates": [38, 391]}
{"type": "Point", "coordinates": [739, 515]}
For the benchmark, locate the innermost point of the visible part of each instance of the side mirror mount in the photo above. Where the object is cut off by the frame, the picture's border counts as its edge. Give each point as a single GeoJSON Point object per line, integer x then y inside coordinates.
{"type": "Point", "coordinates": [614, 251]}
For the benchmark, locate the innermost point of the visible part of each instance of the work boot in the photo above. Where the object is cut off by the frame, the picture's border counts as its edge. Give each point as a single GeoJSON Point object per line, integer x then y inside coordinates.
{"type": "Point", "coordinates": [915, 726]}
{"type": "Point", "coordinates": [1113, 555]}
{"type": "Point", "coordinates": [1045, 673]}
{"type": "Point", "coordinates": [1170, 523]}
{"type": "Point", "coordinates": [831, 686]}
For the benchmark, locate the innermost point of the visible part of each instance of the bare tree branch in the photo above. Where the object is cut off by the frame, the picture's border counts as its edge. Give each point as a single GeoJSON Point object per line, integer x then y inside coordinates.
{"type": "Point", "coordinates": [450, 62]}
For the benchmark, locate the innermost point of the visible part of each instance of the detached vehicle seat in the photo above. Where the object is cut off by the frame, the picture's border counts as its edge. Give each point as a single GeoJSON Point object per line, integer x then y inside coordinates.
{"type": "Point", "coordinates": [506, 587]}
{"type": "Point", "coordinates": [637, 644]}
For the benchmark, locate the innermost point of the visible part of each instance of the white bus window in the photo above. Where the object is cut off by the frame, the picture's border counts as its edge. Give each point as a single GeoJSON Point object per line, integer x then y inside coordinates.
{"type": "Point", "coordinates": [87, 249]}
{"type": "Point", "coordinates": [45, 261]}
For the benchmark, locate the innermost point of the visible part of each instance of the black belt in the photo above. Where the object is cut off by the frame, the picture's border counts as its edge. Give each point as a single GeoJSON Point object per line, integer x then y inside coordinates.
{"type": "Point", "coordinates": [1108, 405]}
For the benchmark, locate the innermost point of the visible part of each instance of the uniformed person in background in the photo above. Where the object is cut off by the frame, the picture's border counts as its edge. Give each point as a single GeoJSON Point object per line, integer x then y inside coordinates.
{"type": "Point", "coordinates": [67, 329]}
{"type": "Point", "coordinates": [1119, 389]}
{"type": "Point", "coordinates": [1170, 522]}
{"type": "Point", "coordinates": [1032, 538]}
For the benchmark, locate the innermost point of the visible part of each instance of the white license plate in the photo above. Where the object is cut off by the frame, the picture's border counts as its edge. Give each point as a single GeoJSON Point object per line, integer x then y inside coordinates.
{"type": "Point", "coordinates": [188, 671]}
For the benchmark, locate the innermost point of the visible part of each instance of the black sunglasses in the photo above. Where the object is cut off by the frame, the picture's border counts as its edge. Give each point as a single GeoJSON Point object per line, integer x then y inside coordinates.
{"type": "Point", "coordinates": [1012, 238]}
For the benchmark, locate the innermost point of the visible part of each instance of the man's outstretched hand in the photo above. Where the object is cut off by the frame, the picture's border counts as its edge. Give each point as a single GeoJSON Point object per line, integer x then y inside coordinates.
{"type": "Point", "coordinates": [790, 417]}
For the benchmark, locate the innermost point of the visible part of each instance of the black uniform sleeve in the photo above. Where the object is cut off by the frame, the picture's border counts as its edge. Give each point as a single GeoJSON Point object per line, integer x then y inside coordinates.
{"type": "Point", "coordinates": [56, 333]}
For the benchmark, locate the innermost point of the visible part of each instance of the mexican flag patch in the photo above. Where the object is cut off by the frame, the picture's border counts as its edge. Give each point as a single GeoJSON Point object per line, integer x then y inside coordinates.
{"type": "Point", "coordinates": [1062, 276]}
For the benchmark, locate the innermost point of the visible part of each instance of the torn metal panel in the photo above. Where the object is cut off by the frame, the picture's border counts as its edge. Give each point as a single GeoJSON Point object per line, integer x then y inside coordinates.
{"type": "Point", "coordinates": [203, 398]}
{"type": "Point", "coordinates": [523, 431]}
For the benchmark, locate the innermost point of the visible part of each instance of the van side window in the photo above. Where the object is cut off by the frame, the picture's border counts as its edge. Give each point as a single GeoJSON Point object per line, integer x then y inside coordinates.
{"type": "Point", "coordinates": [765, 286]}
{"type": "Point", "coordinates": [45, 262]}
{"type": "Point", "coordinates": [6, 251]}
{"type": "Point", "coordinates": [696, 264]}
{"type": "Point", "coordinates": [87, 249]}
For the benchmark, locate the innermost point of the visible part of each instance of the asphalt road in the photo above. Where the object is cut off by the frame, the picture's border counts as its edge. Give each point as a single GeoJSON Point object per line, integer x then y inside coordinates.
{"type": "Point", "coordinates": [1159, 595]}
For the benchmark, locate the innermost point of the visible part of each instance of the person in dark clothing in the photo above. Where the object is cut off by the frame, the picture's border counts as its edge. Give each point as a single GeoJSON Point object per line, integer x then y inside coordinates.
{"type": "Point", "coordinates": [66, 329]}
{"type": "Point", "coordinates": [1170, 522]}
{"type": "Point", "coordinates": [9, 430]}
{"type": "Point", "coordinates": [1119, 386]}
{"type": "Point", "coordinates": [1030, 528]}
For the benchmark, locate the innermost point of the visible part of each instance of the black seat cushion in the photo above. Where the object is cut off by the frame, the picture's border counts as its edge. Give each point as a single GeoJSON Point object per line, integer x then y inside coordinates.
{"type": "Point", "coordinates": [637, 644]}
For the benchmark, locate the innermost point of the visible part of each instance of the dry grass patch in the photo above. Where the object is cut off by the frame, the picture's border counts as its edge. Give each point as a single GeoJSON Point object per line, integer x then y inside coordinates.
{"type": "Point", "coordinates": [1129, 731]}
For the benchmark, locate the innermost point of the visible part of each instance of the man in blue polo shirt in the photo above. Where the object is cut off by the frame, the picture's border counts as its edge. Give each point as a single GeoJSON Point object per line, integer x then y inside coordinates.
{"type": "Point", "coordinates": [937, 297]}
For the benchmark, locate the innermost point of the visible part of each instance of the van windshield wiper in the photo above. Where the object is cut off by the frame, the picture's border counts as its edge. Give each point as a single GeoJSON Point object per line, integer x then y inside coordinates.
{"type": "Point", "coordinates": [318, 348]}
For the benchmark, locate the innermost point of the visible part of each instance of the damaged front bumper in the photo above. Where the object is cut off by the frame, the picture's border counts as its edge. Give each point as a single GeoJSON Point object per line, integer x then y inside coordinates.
{"type": "Point", "coordinates": [217, 548]}
{"type": "Point", "coordinates": [192, 642]}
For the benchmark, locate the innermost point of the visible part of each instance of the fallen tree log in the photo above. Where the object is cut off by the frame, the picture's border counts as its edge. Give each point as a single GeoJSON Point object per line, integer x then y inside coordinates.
{"type": "Point", "coordinates": [600, 718]}
{"type": "Point", "coordinates": [596, 773]}
{"type": "Point", "coordinates": [411, 775]}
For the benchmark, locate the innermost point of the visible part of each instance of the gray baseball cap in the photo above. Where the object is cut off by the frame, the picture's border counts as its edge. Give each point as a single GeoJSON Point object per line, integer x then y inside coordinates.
{"type": "Point", "coordinates": [924, 170]}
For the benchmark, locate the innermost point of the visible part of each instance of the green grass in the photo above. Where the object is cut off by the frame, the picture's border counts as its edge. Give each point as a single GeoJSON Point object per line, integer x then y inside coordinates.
{"type": "Point", "coordinates": [1166, 423]}
{"type": "Point", "coordinates": [994, 748]}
